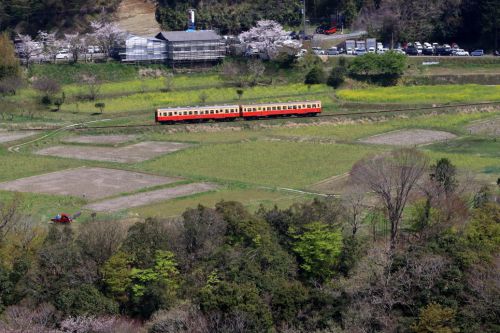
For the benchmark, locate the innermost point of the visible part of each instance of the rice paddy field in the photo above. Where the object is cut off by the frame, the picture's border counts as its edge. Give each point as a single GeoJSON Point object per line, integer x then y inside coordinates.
{"type": "Point", "coordinates": [258, 163]}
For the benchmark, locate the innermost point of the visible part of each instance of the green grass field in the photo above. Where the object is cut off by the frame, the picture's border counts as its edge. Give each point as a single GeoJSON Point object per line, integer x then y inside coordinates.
{"type": "Point", "coordinates": [282, 164]}
{"type": "Point", "coordinates": [248, 160]}
{"type": "Point", "coordinates": [484, 147]}
{"type": "Point", "coordinates": [18, 165]}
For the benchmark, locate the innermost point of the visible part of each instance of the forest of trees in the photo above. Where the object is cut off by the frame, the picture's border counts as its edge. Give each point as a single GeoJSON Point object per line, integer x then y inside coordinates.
{"type": "Point", "coordinates": [423, 259]}
{"type": "Point", "coordinates": [30, 16]}
{"type": "Point", "coordinates": [473, 22]}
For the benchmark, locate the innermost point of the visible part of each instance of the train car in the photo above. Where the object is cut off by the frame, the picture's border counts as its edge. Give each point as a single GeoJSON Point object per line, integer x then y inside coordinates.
{"type": "Point", "coordinates": [197, 114]}
{"type": "Point", "coordinates": [286, 109]}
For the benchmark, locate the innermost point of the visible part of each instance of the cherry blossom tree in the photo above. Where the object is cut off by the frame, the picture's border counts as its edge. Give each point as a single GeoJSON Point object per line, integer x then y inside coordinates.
{"type": "Point", "coordinates": [106, 35]}
{"type": "Point", "coordinates": [76, 45]}
{"type": "Point", "coordinates": [51, 45]}
{"type": "Point", "coordinates": [268, 38]}
{"type": "Point", "coordinates": [28, 48]}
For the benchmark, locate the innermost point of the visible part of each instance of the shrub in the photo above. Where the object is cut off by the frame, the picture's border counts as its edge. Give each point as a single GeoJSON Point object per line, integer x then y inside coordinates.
{"type": "Point", "coordinates": [435, 318]}
{"type": "Point", "coordinates": [318, 250]}
{"type": "Point", "coordinates": [315, 76]}
{"type": "Point", "coordinates": [100, 106]}
{"type": "Point", "coordinates": [85, 300]}
{"type": "Point", "coordinates": [384, 69]}
{"type": "Point", "coordinates": [336, 77]}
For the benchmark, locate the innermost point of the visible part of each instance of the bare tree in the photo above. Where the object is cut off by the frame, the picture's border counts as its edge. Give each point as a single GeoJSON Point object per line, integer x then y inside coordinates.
{"type": "Point", "coordinates": [76, 45]}
{"type": "Point", "coordinates": [168, 81]}
{"type": "Point", "coordinates": [22, 319]}
{"type": "Point", "coordinates": [10, 85]}
{"type": "Point", "coordinates": [378, 285]}
{"type": "Point", "coordinates": [256, 70]}
{"type": "Point", "coordinates": [93, 85]}
{"type": "Point", "coordinates": [235, 73]}
{"type": "Point", "coordinates": [391, 176]}
{"type": "Point", "coordinates": [353, 204]}
{"type": "Point", "coordinates": [10, 215]}
{"type": "Point", "coordinates": [47, 87]}
{"type": "Point", "coordinates": [99, 240]}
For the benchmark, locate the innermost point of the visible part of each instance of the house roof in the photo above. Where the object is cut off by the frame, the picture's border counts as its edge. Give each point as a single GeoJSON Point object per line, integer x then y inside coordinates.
{"type": "Point", "coordinates": [181, 36]}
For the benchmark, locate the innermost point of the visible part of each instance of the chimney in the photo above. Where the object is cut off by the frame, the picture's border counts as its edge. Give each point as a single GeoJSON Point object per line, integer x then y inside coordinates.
{"type": "Point", "coordinates": [191, 25]}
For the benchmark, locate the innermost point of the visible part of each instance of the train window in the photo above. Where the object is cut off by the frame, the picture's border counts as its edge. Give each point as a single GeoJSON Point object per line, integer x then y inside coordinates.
{"type": "Point", "coordinates": [314, 105]}
{"type": "Point", "coordinates": [190, 112]}
{"type": "Point", "coordinates": [294, 107]}
{"type": "Point", "coordinates": [170, 113]}
{"type": "Point", "coordinates": [274, 108]}
{"type": "Point", "coordinates": [195, 112]}
{"type": "Point", "coordinates": [278, 108]}
{"type": "Point", "coordinates": [254, 109]}
{"type": "Point", "coordinates": [185, 113]}
{"type": "Point", "coordinates": [211, 111]}
{"type": "Point", "coordinates": [308, 106]}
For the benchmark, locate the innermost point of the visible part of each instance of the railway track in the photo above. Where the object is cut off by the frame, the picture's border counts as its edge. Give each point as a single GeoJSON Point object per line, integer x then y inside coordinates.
{"type": "Point", "coordinates": [333, 115]}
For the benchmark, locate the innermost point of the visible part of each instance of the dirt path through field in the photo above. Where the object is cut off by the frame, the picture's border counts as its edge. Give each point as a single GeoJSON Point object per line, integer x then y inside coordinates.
{"type": "Point", "coordinates": [146, 198]}
{"type": "Point", "coordinates": [408, 137]}
{"type": "Point", "coordinates": [138, 17]}
{"type": "Point", "coordinates": [88, 183]}
{"type": "Point", "coordinates": [129, 154]}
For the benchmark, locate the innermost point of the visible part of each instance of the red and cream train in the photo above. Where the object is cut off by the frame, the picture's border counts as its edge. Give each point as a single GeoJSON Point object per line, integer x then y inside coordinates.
{"type": "Point", "coordinates": [232, 112]}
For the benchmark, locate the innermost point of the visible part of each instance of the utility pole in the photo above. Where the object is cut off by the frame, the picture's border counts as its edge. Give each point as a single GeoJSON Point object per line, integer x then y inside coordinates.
{"type": "Point", "coordinates": [304, 19]}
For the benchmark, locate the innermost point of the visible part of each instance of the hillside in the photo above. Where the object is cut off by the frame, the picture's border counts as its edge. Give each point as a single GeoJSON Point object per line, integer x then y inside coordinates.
{"type": "Point", "coordinates": [30, 16]}
{"type": "Point", "coordinates": [137, 17]}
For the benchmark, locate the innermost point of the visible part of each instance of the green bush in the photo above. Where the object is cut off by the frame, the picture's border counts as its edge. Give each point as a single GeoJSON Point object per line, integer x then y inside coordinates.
{"type": "Point", "coordinates": [315, 76]}
{"type": "Point", "coordinates": [85, 300]}
{"type": "Point", "coordinates": [336, 77]}
{"type": "Point", "coordinates": [384, 69]}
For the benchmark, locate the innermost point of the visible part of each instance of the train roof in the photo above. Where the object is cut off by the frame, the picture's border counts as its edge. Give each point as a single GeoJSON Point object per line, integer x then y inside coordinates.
{"type": "Point", "coordinates": [280, 103]}
{"type": "Point", "coordinates": [200, 107]}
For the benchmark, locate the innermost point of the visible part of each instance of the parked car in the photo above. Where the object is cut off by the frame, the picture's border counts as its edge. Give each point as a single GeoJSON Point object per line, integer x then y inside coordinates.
{"type": "Point", "coordinates": [349, 51]}
{"type": "Point", "coordinates": [93, 49]}
{"type": "Point", "coordinates": [477, 53]}
{"type": "Point", "coordinates": [461, 53]}
{"type": "Point", "coordinates": [318, 50]}
{"type": "Point", "coordinates": [419, 47]}
{"type": "Point", "coordinates": [428, 51]}
{"type": "Point", "coordinates": [496, 53]}
{"type": "Point", "coordinates": [444, 50]}
{"type": "Point", "coordinates": [411, 50]}
{"type": "Point", "coordinates": [326, 29]}
{"type": "Point", "coordinates": [399, 51]}
{"type": "Point", "coordinates": [332, 51]}
{"type": "Point", "coordinates": [359, 52]}
{"type": "Point", "coordinates": [371, 50]}
{"type": "Point", "coordinates": [63, 55]}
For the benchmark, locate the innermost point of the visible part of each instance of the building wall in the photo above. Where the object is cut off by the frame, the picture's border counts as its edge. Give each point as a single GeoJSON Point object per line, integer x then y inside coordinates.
{"type": "Point", "coordinates": [144, 49]}
{"type": "Point", "coordinates": [195, 51]}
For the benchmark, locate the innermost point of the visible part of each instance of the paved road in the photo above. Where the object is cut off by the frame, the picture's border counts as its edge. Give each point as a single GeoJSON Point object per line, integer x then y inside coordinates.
{"type": "Point", "coordinates": [354, 34]}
